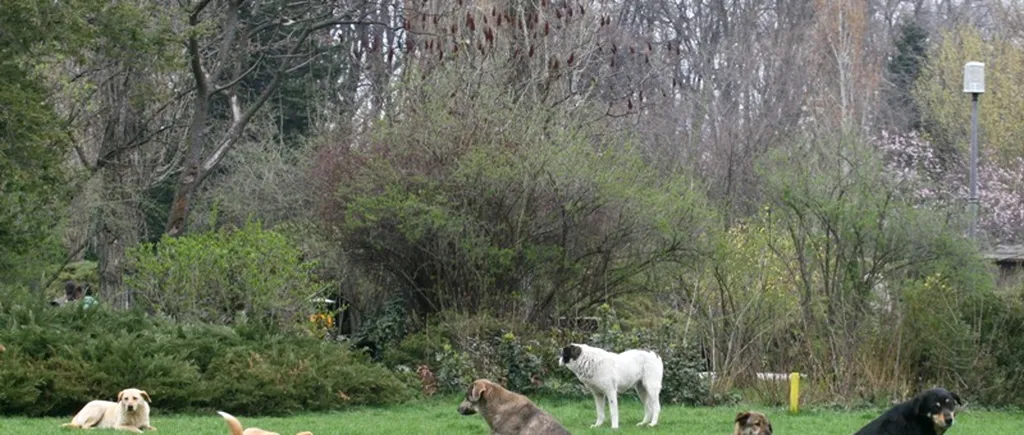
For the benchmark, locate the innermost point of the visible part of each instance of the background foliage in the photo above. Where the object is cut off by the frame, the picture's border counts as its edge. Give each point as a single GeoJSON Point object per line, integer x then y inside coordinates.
{"type": "Point", "coordinates": [757, 186]}
{"type": "Point", "coordinates": [226, 277]}
{"type": "Point", "coordinates": [59, 359]}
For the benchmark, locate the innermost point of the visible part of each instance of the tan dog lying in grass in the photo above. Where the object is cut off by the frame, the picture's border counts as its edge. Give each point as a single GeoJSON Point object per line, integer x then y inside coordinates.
{"type": "Point", "coordinates": [129, 413]}
{"type": "Point", "coordinates": [236, 427]}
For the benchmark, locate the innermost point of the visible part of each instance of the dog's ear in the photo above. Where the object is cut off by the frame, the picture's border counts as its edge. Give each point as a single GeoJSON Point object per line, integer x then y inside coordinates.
{"type": "Point", "coordinates": [770, 430]}
{"type": "Point", "coordinates": [476, 390]}
{"type": "Point", "coordinates": [742, 417]}
{"type": "Point", "coordinates": [145, 395]}
{"type": "Point", "coordinates": [956, 397]}
{"type": "Point", "coordinates": [119, 394]}
{"type": "Point", "coordinates": [571, 352]}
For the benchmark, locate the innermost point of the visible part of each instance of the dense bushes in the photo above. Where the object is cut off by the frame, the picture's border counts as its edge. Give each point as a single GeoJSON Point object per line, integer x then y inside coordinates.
{"type": "Point", "coordinates": [841, 277]}
{"type": "Point", "coordinates": [229, 276]}
{"type": "Point", "coordinates": [997, 355]}
{"type": "Point", "coordinates": [460, 349]}
{"type": "Point", "coordinates": [498, 206]}
{"type": "Point", "coordinates": [681, 383]}
{"type": "Point", "coordinates": [58, 359]}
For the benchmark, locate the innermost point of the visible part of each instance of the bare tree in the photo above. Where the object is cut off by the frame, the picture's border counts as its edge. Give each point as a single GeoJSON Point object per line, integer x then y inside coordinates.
{"type": "Point", "coordinates": [242, 43]}
{"type": "Point", "coordinates": [732, 81]}
{"type": "Point", "coordinates": [126, 118]}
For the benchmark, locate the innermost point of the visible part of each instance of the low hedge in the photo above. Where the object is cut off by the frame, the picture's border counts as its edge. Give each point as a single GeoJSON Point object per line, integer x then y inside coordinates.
{"type": "Point", "coordinates": [58, 359]}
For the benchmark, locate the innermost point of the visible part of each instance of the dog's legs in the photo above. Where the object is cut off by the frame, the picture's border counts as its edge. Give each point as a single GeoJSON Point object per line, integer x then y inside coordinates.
{"type": "Point", "coordinates": [89, 423]}
{"type": "Point", "coordinates": [652, 396]}
{"type": "Point", "coordinates": [644, 398]}
{"type": "Point", "coordinates": [613, 407]}
{"type": "Point", "coordinates": [599, 404]}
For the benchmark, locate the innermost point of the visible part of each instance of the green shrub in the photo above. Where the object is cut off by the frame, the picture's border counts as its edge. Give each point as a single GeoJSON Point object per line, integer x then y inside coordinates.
{"type": "Point", "coordinates": [417, 348]}
{"type": "Point", "coordinates": [460, 213]}
{"type": "Point", "coordinates": [58, 359]}
{"type": "Point", "coordinates": [383, 329]}
{"type": "Point", "coordinates": [526, 361]}
{"type": "Point", "coordinates": [283, 377]}
{"type": "Point", "coordinates": [997, 378]}
{"type": "Point", "coordinates": [459, 349]}
{"type": "Point", "coordinates": [519, 362]}
{"type": "Point", "coordinates": [454, 370]}
{"type": "Point", "coordinates": [245, 275]}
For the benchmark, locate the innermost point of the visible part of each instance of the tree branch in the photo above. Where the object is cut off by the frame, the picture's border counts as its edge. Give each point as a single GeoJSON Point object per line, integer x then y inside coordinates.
{"type": "Point", "coordinates": [80, 153]}
{"type": "Point", "coordinates": [235, 81]}
{"type": "Point", "coordinates": [230, 31]}
{"type": "Point", "coordinates": [63, 264]}
{"type": "Point", "coordinates": [195, 60]}
{"type": "Point", "coordinates": [139, 139]}
{"type": "Point", "coordinates": [199, 8]}
{"type": "Point", "coordinates": [303, 64]}
{"type": "Point", "coordinates": [235, 131]}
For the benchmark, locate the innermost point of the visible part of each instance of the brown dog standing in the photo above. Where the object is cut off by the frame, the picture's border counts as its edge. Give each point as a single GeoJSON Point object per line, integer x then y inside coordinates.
{"type": "Point", "coordinates": [508, 413]}
{"type": "Point", "coordinates": [752, 423]}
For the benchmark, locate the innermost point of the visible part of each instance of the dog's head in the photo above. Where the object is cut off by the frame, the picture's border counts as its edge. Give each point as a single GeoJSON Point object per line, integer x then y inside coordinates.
{"type": "Point", "coordinates": [476, 394]}
{"type": "Point", "coordinates": [569, 354]}
{"type": "Point", "coordinates": [72, 292]}
{"type": "Point", "coordinates": [938, 405]}
{"type": "Point", "coordinates": [752, 423]}
{"type": "Point", "coordinates": [424, 373]}
{"type": "Point", "coordinates": [132, 399]}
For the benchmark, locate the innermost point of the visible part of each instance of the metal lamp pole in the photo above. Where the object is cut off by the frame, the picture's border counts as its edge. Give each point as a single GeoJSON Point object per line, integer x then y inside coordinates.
{"type": "Point", "coordinates": [974, 84]}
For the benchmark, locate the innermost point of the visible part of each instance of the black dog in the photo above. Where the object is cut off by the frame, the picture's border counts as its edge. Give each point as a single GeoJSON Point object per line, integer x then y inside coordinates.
{"type": "Point", "coordinates": [929, 413]}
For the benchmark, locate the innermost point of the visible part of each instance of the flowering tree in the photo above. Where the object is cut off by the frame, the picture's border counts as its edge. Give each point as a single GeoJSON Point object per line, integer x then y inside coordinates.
{"type": "Point", "coordinates": [932, 181]}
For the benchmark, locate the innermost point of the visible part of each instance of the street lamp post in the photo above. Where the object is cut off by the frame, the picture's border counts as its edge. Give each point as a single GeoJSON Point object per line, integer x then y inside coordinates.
{"type": "Point", "coordinates": [974, 84]}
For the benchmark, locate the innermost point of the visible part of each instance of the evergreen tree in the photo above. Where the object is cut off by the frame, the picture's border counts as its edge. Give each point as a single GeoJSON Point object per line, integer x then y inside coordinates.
{"type": "Point", "coordinates": [903, 69]}
{"type": "Point", "coordinates": [31, 140]}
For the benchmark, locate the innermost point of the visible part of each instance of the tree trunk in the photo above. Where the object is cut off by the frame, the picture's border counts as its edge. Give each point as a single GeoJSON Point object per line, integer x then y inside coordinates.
{"type": "Point", "coordinates": [119, 218]}
{"type": "Point", "coordinates": [192, 174]}
{"type": "Point", "coordinates": [110, 247]}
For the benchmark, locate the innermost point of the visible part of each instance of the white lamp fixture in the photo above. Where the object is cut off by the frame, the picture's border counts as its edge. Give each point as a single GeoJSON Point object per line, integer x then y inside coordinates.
{"type": "Point", "coordinates": [974, 84]}
{"type": "Point", "coordinates": [974, 78]}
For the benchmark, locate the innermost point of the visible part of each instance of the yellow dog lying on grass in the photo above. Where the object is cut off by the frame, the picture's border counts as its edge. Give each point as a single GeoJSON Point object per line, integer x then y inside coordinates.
{"type": "Point", "coordinates": [129, 413]}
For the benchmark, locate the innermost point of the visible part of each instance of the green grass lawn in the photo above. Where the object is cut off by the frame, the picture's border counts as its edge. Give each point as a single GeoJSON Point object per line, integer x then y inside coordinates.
{"type": "Point", "coordinates": [439, 416]}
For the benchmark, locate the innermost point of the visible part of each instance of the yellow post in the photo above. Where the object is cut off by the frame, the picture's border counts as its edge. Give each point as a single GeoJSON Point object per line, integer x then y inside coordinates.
{"type": "Point", "coordinates": [794, 392]}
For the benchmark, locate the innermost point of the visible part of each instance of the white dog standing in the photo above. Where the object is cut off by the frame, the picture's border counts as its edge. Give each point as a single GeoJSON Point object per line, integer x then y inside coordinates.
{"type": "Point", "coordinates": [129, 413]}
{"type": "Point", "coordinates": [606, 374]}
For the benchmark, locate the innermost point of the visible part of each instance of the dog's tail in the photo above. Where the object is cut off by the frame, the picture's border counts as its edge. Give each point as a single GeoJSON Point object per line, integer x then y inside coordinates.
{"type": "Point", "coordinates": [233, 424]}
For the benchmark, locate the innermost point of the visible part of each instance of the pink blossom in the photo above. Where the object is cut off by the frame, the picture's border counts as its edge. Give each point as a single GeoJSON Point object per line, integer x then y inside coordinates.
{"type": "Point", "coordinates": [915, 166]}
